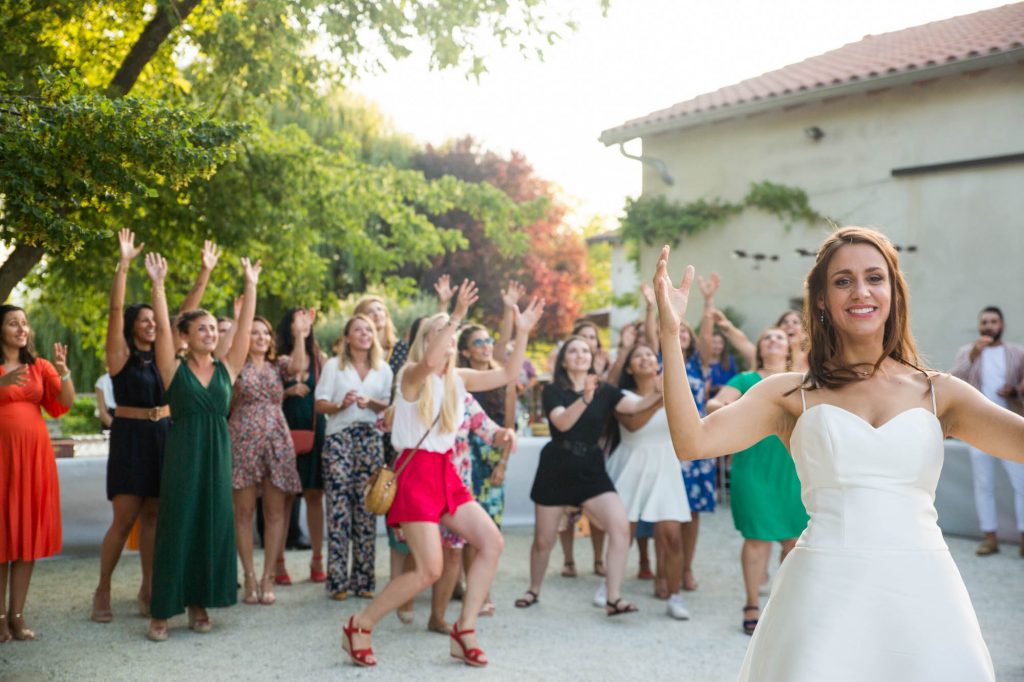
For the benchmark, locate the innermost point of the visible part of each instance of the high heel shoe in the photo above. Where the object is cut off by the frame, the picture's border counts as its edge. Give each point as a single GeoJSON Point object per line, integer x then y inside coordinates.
{"type": "Point", "coordinates": [196, 624]}
{"type": "Point", "coordinates": [474, 657]}
{"type": "Point", "coordinates": [267, 596]}
{"type": "Point", "coordinates": [101, 614]}
{"type": "Point", "coordinates": [281, 576]}
{"type": "Point", "coordinates": [316, 570]}
{"type": "Point", "coordinates": [251, 596]}
{"type": "Point", "coordinates": [157, 633]}
{"type": "Point", "coordinates": [21, 633]}
{"type": "Point", "coordinates": [361, 657]}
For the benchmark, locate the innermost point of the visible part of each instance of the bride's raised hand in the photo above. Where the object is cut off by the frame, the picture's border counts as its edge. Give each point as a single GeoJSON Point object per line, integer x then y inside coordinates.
{"type": "Point", "coordinates": [672, 300]}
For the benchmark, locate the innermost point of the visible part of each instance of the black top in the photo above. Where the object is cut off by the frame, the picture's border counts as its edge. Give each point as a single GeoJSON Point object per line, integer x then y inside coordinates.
{"type": "Point", "coordinates": [139, 385]}
{"type": "Point", "coordinates": [493, 403]}
{"type": "Point", "coordinates": [591, 424]}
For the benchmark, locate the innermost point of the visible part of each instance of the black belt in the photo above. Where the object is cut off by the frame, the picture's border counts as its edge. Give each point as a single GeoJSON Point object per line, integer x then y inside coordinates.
{"type": "Point", "coordinates": [577, 447]}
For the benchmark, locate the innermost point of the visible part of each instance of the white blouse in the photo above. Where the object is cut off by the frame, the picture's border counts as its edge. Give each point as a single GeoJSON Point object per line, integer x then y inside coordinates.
{"type": "Point", "coordinates": [335, 383]}
{"type": "Point", "coordinates": [408, 429]}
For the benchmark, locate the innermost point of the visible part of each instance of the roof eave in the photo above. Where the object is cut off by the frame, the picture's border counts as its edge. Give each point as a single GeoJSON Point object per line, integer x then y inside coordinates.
{"type": "Point", "coordinates": [619, 135]}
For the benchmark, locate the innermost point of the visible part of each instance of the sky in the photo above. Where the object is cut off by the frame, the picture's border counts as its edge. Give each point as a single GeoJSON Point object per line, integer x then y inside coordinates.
{"type": "Point", "coordinates": [643, 56]}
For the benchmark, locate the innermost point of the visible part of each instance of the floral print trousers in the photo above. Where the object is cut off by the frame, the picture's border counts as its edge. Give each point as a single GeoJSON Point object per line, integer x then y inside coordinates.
{"type": "Point", "coordinates": [349, 459]}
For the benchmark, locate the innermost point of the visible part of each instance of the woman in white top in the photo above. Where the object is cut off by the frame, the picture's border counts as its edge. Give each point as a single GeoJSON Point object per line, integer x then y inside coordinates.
{"type": "Point", "coordinates": [353, 387]}
{"type": "Point", "coordinates": [429, 405]}
{"type": "Point", "coordinates": [870, 591]}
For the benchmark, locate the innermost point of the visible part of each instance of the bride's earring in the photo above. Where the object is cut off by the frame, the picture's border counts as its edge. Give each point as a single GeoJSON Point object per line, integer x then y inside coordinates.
{"type": "Point", "coordinates": [822, 316]}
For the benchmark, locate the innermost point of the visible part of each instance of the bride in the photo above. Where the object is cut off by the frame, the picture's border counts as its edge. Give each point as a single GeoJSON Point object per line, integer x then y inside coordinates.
{"type": "Point", "coordinates": [870, 591]}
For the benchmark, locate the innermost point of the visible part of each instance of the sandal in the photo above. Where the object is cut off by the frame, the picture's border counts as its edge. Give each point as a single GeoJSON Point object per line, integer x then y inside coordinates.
{"type": "Point", "coordinates": [438, 626]}
{"type": "Point", "coordinates": [405, 616]}
{"type": "Point", "coordinates": [689, 582]}
{"type": "Point", "coordinates": [101, 614]}
{"type": "Point", "coordinates": [21, 633]}
{"type": "Point", "coordinates": [361, 657]}
{"type": "Point", "coordinates": [267, 596]}
{"type": "Point", "coordinates": [599, 568]}
{"type": "Point", "coordinates": [524, 603]}
{"type": "Point", "coordinates": [619, 607]}
{"type": "Point", "coordinates": [316, 569]}
{"type": "Point", "coordinates": [750, 623]}
{"type": "Point", "coordinates": [340, 596]}
{"type": "Point", "coordinates": [470, 656]}
{"type": "Point", "coordinates": [196, 623]}
{"type": "Point", "coordinates": [281, 576]}
{"type": "Point", "coordinates": [5, 635]}
{"type": "Point", "coordinates": [158, 633]}
{"type": "Point", "coordinates": [487, 609]}
{"type": "Point", "coordinates": [569, 569]}
{"type": "Point", "coordinates": [251, 596]}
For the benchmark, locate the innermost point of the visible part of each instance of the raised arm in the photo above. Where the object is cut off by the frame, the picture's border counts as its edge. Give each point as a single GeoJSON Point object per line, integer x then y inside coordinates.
{"type": "Point", "coordinates": [209, 258]}
{"type": "Point", "coordinates": [650, 317]}
{"type": "Point", "coordinates": [708, 287]}
{"type": "Point", "coordinates": [166, 361]}
{"type": "Point", "coordinates": [736, 338]}
{"type": "Point", "coordinates": [302, 327]}
{"type": "Point", "coordinates": [510, 305]}
{"type": "Point", "coordinates": [67, 386]}
{"type": "Point", "coordinates": [730, 429]}
{"type": "Point", "coordinates": [224, 341]}
{"type": "Point", "coordinates": [117, 348]}
{"type": "Point", "coordinates": [234, 360]}
{"type": "Point", "coordinates": [436, 353]}
{"type": "Point", "coordinates": [489, 379]}
{"type": "Point", "coordinates": [967, 414]}
{"type": "Point", "coordinates": [443, 287]}
{"type": "Point", "coordinates": [635, 420]}
{"type": "Point", "coordinates": [627, 339]}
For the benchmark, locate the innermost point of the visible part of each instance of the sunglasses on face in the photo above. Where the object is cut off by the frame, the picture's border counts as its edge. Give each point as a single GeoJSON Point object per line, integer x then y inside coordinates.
{"type": "Point", "coordinates": [480, 343]}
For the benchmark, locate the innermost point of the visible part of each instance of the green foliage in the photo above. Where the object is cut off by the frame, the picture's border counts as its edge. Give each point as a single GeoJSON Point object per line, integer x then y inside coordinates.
{"type": "Point", "coordinates": [81, 419]}
{"type": "Point", "coordinates": [657, 220]}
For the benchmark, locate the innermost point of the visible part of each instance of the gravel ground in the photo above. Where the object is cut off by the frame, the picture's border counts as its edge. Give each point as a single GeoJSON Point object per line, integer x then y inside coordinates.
{"type": "Point", "coordinates": [563, 636]}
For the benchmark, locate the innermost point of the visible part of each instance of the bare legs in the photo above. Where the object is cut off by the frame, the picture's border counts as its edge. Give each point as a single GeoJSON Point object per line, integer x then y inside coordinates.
{"type": "Point", "coordinates": [314, 498]}
{"type": "Point", "coordinates": [690, 531]}
{"type": "Point", "coordinates": [607, 511]}
{"type": "Point", "coordinates": [274, 506]}
{"type": "Point", "coordinates": [127, 508]}
{"type": "Point", "coordinates": [441, 594]}
{"type": "Point", "coordinates": [567, 538]}
{"type": "Point", "coordinates": [754, 558]}
{"type": "Point", "coordinates": [545, 530]}
{"type": "Point", "coordinates": [19, 575]}
{"type": "Point", "coordinates": [668, 548]}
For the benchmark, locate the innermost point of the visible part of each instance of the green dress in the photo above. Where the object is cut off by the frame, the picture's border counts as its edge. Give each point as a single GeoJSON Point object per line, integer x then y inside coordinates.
{"type": "Point", "coordinates": [194, 561]}
{"type": "Point", "coordinates": [298, 411]}
{"type": "Point", "coordinates": [765, 490]}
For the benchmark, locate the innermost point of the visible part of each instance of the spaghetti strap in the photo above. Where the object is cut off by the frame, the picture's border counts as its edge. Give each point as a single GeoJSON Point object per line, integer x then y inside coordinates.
{"type": "Point", "coordinates": [803, 399]}
{"type": "Point", "coordinates": [931, 388]}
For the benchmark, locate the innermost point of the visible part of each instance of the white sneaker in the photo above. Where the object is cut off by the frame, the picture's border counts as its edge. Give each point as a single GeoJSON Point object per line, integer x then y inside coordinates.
{"type": "Point", "coordinates": [601, 596]}
{"type": "Point", "coordinates": [677, 608]}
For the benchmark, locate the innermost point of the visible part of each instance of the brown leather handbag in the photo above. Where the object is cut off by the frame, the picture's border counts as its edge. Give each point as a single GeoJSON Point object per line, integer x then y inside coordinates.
{"type": "Point", "coordinates": [380, 489]}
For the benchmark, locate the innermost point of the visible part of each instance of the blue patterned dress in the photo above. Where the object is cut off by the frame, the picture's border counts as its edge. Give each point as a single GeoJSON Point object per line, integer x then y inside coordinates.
{"type": "Point", "coordinates": [699, 475]}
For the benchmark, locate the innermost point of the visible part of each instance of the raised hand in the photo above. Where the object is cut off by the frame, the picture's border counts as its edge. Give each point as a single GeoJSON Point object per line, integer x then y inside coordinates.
{"type": "Point", "coordinates": [528, 319]}
{"type": "Point", "coordinates": [468, 295]}
{"type": "Point", "coordinates": [60, 358]}
{"type": "Point", "coordinates": [443, 287]}
{"type": "Point", "coordinates": [672, 300]}
{"type": "Point", "coordinates": [156, 268]}
{"type": "Point", "coordinates": [709, 286]}
{"type": "Point", "coordinates": [16, 377]}
{"type": "Point", "coordinates": [721, 320]}
{"type": "Point", "coordinates": [210, 255]}
{"type": "Point", "coordinates": [126, 241]}
{"type": "Point", "coordinates": [302, 323]}
{"type": "Point", "coordinates": [627, 337]}
{"type": "Point", "coordinates": [510, 296]}
{"type": "Point", "coordinates": [252, 270]}
{"type": "Point", "coordinates": [648, 294]}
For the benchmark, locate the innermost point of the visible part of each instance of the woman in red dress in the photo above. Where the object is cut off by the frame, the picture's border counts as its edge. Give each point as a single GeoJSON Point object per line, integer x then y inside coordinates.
{"type": "Point", "coordinates": [30, 503]}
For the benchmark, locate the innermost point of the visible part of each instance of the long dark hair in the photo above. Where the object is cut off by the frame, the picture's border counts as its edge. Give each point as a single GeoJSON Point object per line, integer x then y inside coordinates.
{"type": "Point", "coordinates": [561, 376]}
{"type": "Point", "coordinates": [463, 344]}
{"type": "Point", "coordinates": [627, 381]}
{"type": "Point", "coordinates": [26, 355]}
{"type": "Point", "coordinates": [131, 314]}
{"type": "Point", "coordinates": [286, 341]}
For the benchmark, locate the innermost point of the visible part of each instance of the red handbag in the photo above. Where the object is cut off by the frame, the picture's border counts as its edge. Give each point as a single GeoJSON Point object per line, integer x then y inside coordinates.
{"type": "Point", "coordinates": [305, 439]}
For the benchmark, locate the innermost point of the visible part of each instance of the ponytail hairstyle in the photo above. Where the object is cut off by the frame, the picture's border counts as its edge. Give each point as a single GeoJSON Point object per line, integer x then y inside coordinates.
{"type": "Point", "coordinates": [451, 410]}
{"type": "Point", "coordinates": [825, 366]}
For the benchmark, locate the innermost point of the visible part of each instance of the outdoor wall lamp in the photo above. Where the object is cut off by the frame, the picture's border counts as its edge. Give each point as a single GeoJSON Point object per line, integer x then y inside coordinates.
{"type": "Point", "coordinates": [814, 133]}
{"type": "Point", "coordinates": [758, 258]}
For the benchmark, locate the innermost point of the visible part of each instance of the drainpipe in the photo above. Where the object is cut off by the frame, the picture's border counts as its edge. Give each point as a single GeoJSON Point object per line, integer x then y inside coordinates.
{"type": "Point", "coordinates": [656, 164]}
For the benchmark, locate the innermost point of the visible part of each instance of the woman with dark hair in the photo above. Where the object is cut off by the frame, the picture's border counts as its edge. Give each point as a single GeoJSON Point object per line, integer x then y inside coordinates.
{"type": "Point", "coordinates": [262, 459]}
{"type": "Point", "coordinates": [870, 587]}
{"type": "Point", "coordinates": [194, 557]}
{"type": "Point", "coordinates": [302, 361]}
{"type": "Point", "coordinates": [765, 491]}
{"type": "Point", "coordinates": [571, 471]}
{"type": "Point", "coordinates": [140, 426]}
{"type": "Point", "coordinates": [791, 323]}
{"type": "Point", "coordinates": [646, 474]}
{"type": "Point", "coordinates": [30, 504]}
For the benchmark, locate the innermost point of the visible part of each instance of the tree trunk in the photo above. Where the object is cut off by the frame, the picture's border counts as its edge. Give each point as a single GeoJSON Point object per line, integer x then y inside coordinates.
{"type": "Point", "coordinates": [149, 41]}
{"type": "Point", "coordinates": [17, 267]}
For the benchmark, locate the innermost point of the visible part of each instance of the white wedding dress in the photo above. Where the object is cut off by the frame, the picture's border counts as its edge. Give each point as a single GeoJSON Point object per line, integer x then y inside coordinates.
{"type": "Point", "coordinates": [870, 592]}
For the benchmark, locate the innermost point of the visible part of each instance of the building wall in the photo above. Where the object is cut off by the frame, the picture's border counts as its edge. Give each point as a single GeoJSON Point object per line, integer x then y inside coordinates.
{"type": "Point", "coordinates": [967, 223]}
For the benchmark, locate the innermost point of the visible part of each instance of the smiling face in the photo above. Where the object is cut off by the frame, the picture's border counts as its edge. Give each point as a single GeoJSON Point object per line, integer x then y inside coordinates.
{"type": "Point", "coordinates": [643, 362]}
{"type": "Point", "coordinates": [577, 357]}
{"type": "Point", "coordinates": [589, 334]}
{"type": "Point", "coordinates": [377, 313]}
{"type": "Point", "coordinates": [791, 324]}
{"type": "Point", "coordinates": [480, 348]}
{"type": "Point", "coordinates": [14, 330]}
{"type": "Point", "coordinates": [201, 336]}
{"type": "Point", "coordinates": [259, 338]}
{"type": "Point", "coordinates": [858, 291]}
{"type": "Point", "coordinates": [360, 335]}
{"type": "Point", "coordinates": [144, 328]}
{"type": "Point", "coordinates": [772, 347]}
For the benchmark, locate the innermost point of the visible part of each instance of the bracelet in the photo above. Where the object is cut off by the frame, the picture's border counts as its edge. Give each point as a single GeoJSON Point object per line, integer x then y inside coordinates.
{"type": "Point", "coordinates": [66, 377]}
{"type": "Point", "coordinates": [585, 400]}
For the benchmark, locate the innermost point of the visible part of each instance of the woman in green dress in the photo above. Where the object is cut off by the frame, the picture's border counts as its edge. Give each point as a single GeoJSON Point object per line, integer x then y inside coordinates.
{"type": "Point", "coordinates": [765, 497]}
{"type": "Point", "coordinates": [194, 561]}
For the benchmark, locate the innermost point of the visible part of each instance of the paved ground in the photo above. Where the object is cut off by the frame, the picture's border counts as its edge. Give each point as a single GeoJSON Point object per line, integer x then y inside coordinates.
{"type": "Point", "coordinates": [563, 636]}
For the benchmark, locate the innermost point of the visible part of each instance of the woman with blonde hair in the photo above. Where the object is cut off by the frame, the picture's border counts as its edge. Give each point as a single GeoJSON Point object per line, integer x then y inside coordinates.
{"type": "Point", "coordinates": [353, 389]}
{"type": "Point", "coordinates": [429, 407]}
{"type": "Point", "coordinates": [870, 587]}
{"type": "Point", "coordinates": [374, 308]}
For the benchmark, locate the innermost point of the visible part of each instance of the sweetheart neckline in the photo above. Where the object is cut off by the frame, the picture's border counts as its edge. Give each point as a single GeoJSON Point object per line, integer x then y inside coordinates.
{"type": "Point", "coordinates": [864, 421]}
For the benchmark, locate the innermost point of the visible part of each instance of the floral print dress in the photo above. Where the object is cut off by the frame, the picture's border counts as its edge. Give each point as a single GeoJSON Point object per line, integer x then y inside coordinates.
{"type": "Point", "coordinates": [475, 424]}
{"type": "Point", "coordinates": [699, 475]}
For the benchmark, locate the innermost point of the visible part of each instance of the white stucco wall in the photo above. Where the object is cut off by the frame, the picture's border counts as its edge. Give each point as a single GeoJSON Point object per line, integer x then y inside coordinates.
{"type": "Point", "coordinates": [967, 223]}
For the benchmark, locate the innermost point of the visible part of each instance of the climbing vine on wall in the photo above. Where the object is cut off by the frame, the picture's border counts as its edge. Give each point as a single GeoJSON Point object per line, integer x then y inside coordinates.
{"type": "Point", "coordinates": [657, 220]}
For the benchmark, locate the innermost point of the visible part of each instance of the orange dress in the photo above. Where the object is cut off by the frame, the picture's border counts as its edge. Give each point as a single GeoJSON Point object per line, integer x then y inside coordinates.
{"type": "Point", "coordinates": [29, 489]}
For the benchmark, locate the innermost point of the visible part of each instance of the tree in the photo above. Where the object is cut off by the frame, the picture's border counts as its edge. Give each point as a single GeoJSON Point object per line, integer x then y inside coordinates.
{"type": "Point", "coordinates": [546, 255]}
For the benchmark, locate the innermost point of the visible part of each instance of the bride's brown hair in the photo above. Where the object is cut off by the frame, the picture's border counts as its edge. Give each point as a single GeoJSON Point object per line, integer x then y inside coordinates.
{"type": "Point", "coordinates": [823, 357]}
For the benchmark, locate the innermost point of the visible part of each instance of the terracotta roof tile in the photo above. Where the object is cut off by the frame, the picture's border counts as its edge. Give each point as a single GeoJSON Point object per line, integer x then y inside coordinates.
{"type": "Point", "coordinates": [934, 44]}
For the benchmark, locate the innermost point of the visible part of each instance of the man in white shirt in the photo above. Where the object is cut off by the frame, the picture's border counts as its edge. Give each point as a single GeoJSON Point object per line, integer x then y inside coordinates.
{"type": "Point", "coordinates": [996, 369]}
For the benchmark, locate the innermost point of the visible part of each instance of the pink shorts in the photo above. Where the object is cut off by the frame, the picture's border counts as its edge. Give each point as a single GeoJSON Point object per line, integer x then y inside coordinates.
{"type": "Point", "coordinates": [427, 488]}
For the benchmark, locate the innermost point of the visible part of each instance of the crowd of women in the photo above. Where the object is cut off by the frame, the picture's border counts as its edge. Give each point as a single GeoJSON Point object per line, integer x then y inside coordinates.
{"type": "Point", "coordinates": [210, 420]}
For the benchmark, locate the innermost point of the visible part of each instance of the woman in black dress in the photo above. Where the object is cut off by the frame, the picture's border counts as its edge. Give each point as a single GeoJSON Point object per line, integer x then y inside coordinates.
{"type": "Point", "coordinates": [571, 471]}
{"type": "Point", "coordinates": [141, 422]}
